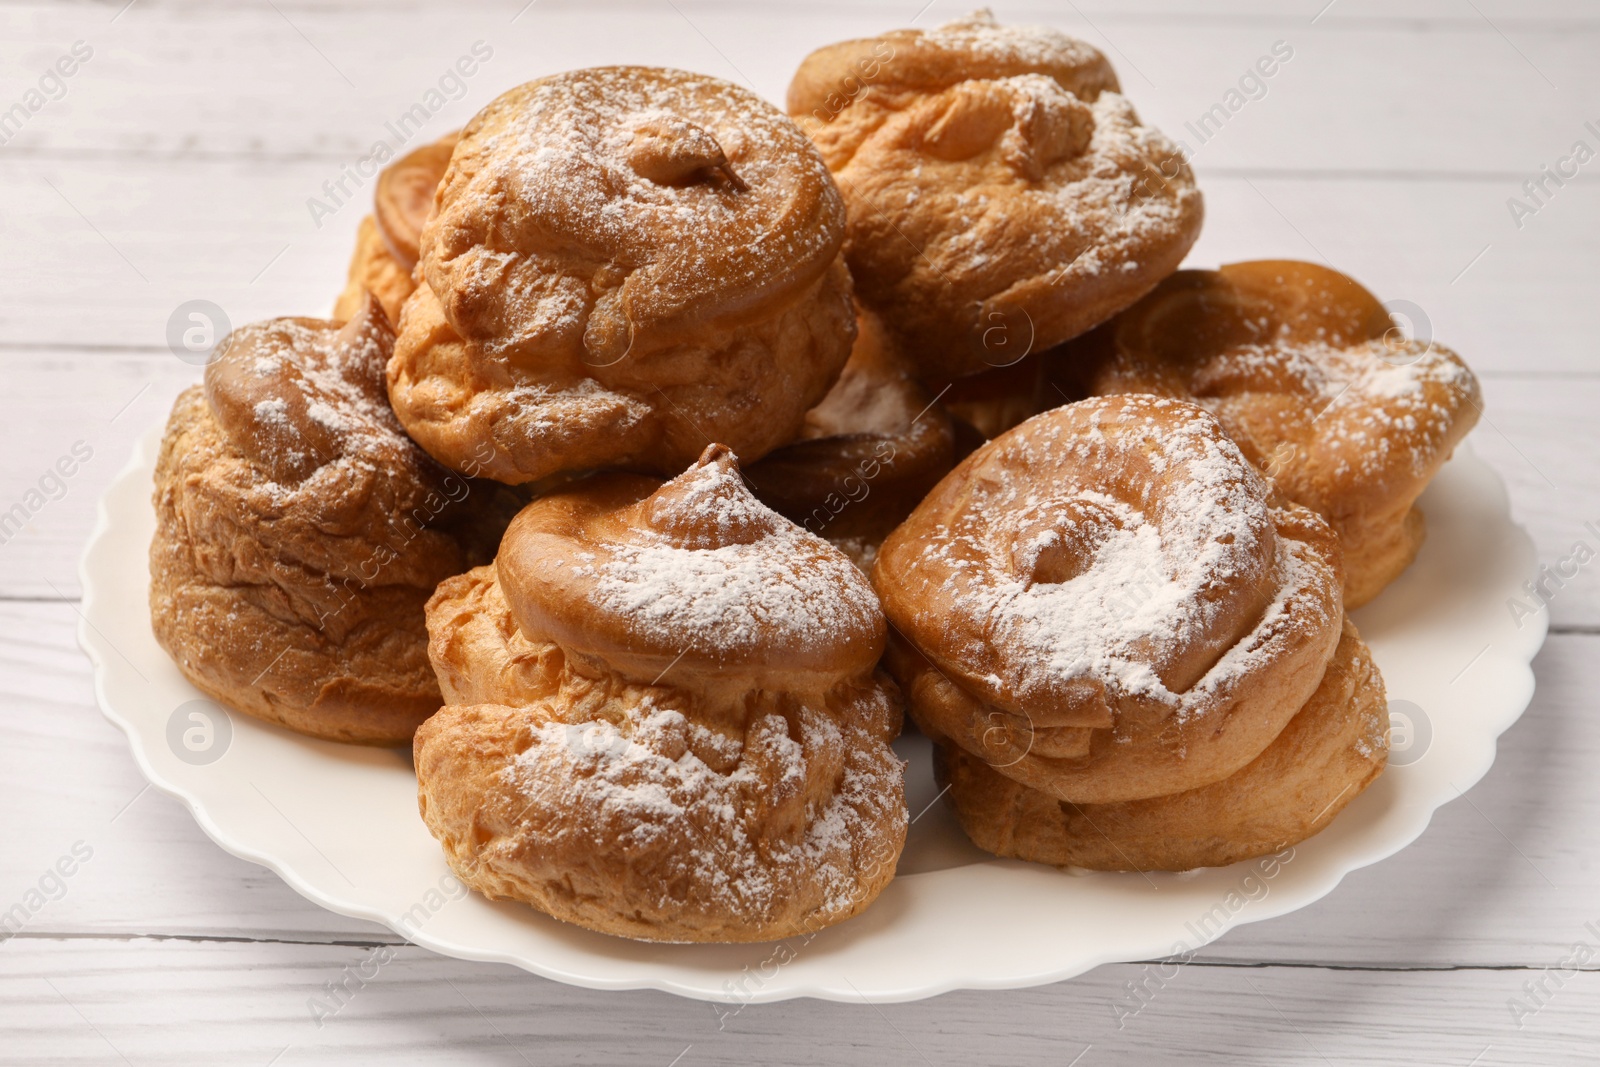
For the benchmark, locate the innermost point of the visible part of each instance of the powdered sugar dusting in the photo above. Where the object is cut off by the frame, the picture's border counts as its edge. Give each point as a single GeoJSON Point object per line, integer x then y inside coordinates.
{"type": "Point", "coordinates": [546, 210]}
{"type": "Point", "coordinates": [274, 411]}
{"type": "Point", "coordinates": [1373, 408]}
{"type": "Point", "coordinates": [973, 46]}
{"type": "Point", "coordinates": [754, 806]}
{"type": "Point", "coordinates": [314, 374]}
{"type": "Point", "coordinates": [1081, 584]}
{"type": "Point", "coordinates": [1096, 189]}
{"type": "Point", "coordinates": [305, 405]}
{"type": "Point", "coordinates": [1130, 191]}
{"type": "Point", "coordinates": [721, 572]}
{"type": "Point", "coordinates": [980, 35]}
{"type": "Point", "coordinates": [644, 790]}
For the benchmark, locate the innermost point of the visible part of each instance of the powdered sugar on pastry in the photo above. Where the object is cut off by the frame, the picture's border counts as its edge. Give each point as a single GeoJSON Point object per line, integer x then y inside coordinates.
{"type": "Point", "coordinates": [1002, 195]}
{"type": "Point", "coordinates": [979, 36]}
{"type": "Point", "coordinates": [315, 446]}
{"type": "Point", "coordinates": [748, 577]}
{"type": "Point", "coordinates": [1109, 583]}
{"type": "Point", "coordinates": [605, 162]}
{"type": "Point", "coordinates": [663, 719]}
{"type": "Point", "coordinates": [644, 787]}
{"type": "Point", "coordinates": [299, 533]}
{"type": "Point", "coordinates": [1112, 587]}
{"type": "Point", "coordinates": [1308, 372]}
{"type": "Point", "coordinates": [1388, 403]}
{"type": "Point", "coordinates": [668, 237]}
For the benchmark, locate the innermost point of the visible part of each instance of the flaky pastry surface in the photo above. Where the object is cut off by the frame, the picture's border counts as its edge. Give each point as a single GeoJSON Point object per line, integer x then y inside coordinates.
{"type": "Point", "coordinates": [1002, 195]}
{"type": "Point", "coordinates": [1308, 372]}
{"type": "Point", "coordinates": [299, 533]}
{"type": "Point", "coordinates": [663, 718]}
{"type": "Point", "coordinates": [1335, 746]}
{"type": "Point", "coordinates": [623, 262]}
{"type": "Point", "coordinates": [1104, 603]}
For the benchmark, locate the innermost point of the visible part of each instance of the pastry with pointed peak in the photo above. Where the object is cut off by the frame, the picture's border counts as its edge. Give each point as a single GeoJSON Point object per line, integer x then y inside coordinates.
{"type": "Point", "coordinates": [663, 716]}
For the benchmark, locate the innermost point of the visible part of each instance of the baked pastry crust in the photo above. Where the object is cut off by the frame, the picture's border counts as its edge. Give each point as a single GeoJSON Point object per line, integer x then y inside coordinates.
{"type": "Point", "coordinates": [865, 456]}
{"type": "Point", "coordinates": [373, 269]}
{"type": "Point", "coordinates": [998, 399]}
{"type": "Point", "coordinates": [1307, 371]}
{"type": "Point", "coordinates": [387, 240]}
{"type": "Point", "coordinates": [1002, 196]}
{"type": "Point", "coordinates": [624, 264]}
{"type": "Point", "coordinates": [1333, 748]}
{"type": "Point", "coordinates": [299, 533]}
{"type": "Point", "coordinates": [1104, 604]}
{"type": "Point", "coordinates": [663, 717]}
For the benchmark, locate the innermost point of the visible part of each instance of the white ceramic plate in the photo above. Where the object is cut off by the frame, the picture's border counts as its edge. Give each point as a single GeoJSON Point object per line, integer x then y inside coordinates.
{"type": "Point", "coordinates": [340, 823]}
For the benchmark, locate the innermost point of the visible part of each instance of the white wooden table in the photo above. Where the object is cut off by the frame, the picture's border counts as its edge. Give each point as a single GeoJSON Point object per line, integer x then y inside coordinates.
{"type": "Point", "coordinates": [177, 164]}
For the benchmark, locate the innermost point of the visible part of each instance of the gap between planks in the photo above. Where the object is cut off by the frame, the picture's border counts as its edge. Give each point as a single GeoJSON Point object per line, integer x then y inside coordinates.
{"type": "Point", "coordinates": [372, 943]}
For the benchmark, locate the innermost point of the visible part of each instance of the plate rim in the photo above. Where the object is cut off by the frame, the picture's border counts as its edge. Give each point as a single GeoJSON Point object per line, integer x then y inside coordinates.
{"type": "Point", "coordinates": [1518, 663]}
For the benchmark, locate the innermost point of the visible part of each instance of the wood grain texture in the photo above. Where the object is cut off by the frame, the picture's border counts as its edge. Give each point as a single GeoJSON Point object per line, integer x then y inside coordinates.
{"type": "Point", "coordinates": [177, 1002]}
{"type": "Point", "coordinates": [324, 83]}
{"type": "Point", "coordinates": [178, 166]}
{"type": "Point", "coordinates": [1363, 151]}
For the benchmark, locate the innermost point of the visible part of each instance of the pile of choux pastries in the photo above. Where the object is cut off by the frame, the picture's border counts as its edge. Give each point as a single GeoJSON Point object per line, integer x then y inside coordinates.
{"type": "Point", "coordinates": [666, 450]}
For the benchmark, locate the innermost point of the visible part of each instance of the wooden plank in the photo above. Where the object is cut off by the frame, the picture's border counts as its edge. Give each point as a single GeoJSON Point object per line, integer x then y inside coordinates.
{"type": "Point", "coordinates": [177, 1003]}
{"type": "Point", "coordinates": [1364, 89]}
{"type": "Point", "coordinates": [1462, 894]}
{"type": "Point", "coordinates": [1504, 13]}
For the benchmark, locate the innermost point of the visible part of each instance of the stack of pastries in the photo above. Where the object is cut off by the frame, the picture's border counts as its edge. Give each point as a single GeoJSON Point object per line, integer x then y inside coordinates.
{"type": "Point", "coordinates": [665, 451]}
